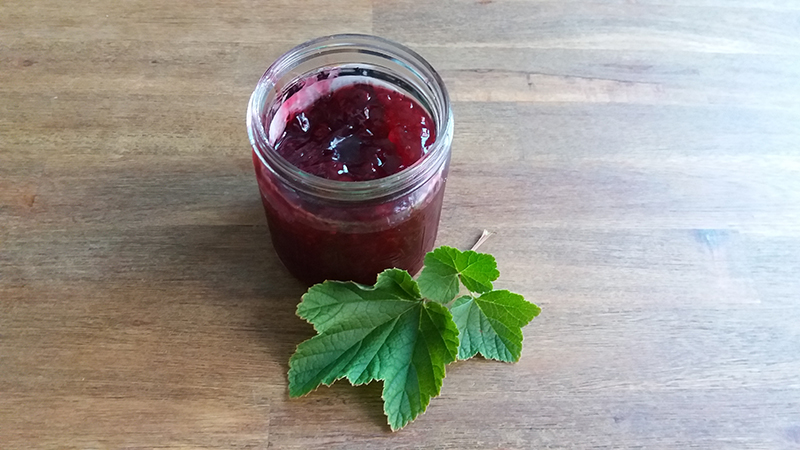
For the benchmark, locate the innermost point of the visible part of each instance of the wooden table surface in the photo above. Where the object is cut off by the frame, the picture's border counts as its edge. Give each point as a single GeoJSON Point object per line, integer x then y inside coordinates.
{"type": "Point", "coordinates": [638, 160]}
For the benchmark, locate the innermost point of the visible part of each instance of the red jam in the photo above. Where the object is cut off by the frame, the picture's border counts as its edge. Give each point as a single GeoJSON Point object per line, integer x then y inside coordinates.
{"type": "Point", "coordinates": [358, 132]}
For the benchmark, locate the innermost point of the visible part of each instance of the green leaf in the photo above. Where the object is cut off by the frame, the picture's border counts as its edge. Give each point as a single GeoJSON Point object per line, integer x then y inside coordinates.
{"type": "Point", "coordinates": [446, 265]}
{"type": "Point", "coordinates": [382, 332]}
{"type": "Point", "coordinates": [492, 324]}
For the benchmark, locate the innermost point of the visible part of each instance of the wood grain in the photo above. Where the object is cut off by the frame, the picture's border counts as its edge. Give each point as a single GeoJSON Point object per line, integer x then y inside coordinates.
{"type": "Point", "coordinates": [638, 160]}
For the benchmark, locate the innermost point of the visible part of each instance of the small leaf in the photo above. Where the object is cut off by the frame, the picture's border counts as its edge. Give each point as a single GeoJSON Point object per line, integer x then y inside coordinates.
{"type": "Point", "coordinates": [446, 265]}
{"type": "Point", "coordinates": [382, 332]}
{"type": "Point", "coordinates": [492, 324]}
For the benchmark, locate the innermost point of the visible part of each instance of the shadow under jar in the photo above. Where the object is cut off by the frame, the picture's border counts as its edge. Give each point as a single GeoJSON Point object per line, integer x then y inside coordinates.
{"type": "Point", "coordinates": [351, 140]}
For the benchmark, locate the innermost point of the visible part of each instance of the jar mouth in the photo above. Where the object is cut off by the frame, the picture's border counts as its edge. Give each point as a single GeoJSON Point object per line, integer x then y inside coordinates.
{"type": "Point", "coordinates": [402, 64]}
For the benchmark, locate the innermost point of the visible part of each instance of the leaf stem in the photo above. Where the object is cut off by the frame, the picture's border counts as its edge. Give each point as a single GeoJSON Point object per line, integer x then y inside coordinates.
{"type": "Point", "coordinates": [484, 236]}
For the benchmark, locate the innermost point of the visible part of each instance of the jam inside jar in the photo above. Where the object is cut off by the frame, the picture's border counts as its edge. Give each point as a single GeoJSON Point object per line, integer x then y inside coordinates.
{"type": "Point", "coordinates": [351, 143]}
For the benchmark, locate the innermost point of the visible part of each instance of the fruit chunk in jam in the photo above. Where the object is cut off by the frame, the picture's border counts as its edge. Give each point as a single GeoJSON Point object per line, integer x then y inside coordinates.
{"type": "Point", "coordinates": [356, 132]}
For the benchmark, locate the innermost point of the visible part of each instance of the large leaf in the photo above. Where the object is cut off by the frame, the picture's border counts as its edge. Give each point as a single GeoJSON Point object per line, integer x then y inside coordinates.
{"type": "Point", "coordinates": [382, 332]}
{"type": "Point", "coordinates": [446, 265]}
{"type": "Point", "coordinates": [492, 324]}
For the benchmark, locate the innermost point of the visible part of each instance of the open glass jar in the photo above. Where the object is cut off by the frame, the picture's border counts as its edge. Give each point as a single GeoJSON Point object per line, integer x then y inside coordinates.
{"type": "Point", "coordinates": [349, 230]}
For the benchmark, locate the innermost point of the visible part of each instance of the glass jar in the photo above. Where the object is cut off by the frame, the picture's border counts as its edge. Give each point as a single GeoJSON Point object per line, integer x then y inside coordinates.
{"type": "Point", "coordinates": [349, 230]}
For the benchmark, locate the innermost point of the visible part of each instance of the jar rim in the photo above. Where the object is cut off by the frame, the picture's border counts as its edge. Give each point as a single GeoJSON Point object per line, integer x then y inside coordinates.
{"type": "Point", "coordinates": [395, 184]}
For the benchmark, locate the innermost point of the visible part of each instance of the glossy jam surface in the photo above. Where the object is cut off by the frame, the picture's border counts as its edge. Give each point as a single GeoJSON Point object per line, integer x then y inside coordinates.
{"type": "Point", "coordinates": [358, 132]}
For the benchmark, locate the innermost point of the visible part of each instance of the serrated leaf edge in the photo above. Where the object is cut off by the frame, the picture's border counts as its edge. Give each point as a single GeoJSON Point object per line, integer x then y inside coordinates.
{"type": "Point", "coordinates": [421, 305]}
{"type": "Point", "coordinates": [320, 384]}
{"type": "Point", "coordinates": [454, 358]}
{"type": "Point", "coordinates": [474, 301]}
